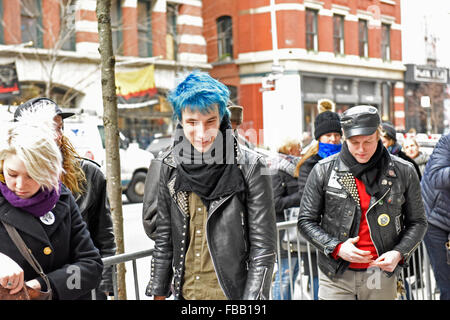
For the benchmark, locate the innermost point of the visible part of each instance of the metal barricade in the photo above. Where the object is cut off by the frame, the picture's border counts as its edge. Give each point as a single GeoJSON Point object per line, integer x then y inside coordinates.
{"type": "Point", "coordinates": [122, 258]}
{"type": "Point", "coordinates": [418, 279]}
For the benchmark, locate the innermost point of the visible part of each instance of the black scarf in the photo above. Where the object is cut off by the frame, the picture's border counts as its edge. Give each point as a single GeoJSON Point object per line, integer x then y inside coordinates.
{"type": "Point", "coordinates": [212, 174]}
{"type": "Point", "coordinates": [370, 171]}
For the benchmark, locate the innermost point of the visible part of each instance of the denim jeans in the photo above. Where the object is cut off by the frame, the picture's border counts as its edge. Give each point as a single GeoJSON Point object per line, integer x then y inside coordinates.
{"type": "Point", "coordinates": [283, 291]}
{"type": "Point", "coordinates": [435, 240]}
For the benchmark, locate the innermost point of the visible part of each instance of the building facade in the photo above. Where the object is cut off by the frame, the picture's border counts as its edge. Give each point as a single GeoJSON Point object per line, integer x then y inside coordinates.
{"type": "Point", "coordinates": [346, 50]}
{"type": "Point", "coordinates": [427, 102]}
{"type": "Point", "coordinates": [54, 46]}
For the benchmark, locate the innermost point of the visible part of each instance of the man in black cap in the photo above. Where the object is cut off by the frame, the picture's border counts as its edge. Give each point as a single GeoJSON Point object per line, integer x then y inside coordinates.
{"type": "Point", "coordinates": [362, 208]}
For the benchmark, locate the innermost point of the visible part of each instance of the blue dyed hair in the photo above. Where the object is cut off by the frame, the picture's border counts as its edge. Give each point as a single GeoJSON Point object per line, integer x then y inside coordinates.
{"type": "Point", "coordinates": [199, 92]}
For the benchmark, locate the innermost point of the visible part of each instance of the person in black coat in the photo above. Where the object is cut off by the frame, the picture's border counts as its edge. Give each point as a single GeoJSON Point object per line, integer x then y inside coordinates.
{"type": "Point", "coordinates": [91, 197]}
{"type": "Point", "coordinates": [284, 184]}
{"type": "Point", "coordinates": [328, 133]}
{"type": "Point", "coordinates": [389, 139]}
{"type": "Point", "coordinates": [44, 212]}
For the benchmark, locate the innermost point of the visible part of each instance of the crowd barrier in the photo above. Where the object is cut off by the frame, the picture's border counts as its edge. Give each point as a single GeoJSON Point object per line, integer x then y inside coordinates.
{"type": "Point", "coordinates": [417, 281]}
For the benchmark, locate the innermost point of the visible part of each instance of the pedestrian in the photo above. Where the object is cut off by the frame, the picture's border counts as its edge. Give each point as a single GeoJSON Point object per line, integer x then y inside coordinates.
{"type": "Point", "coordinates": [215, 220]}
{"type": "Point", "coordinates": [328, 134]}
{"type": "Point", "coordinates": [436, 197]}
{"type": "Point", "coordinates": [91, 197]}
{"type": "Point", "coordinates": [412, 150]}
{"type": "Point", "coordinates": [35, 203]}
{"type": "Point", "coordinates": [287, 203]}
{"type": "Point", "coordinates": [236, 119]}
{"type": "Point", "coordinates": [362, 248]}
{"type": "Point", "coordinates": [389, 139]}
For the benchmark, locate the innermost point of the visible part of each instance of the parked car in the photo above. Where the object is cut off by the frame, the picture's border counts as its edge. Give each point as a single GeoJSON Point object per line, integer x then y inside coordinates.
{"type": "Point", "coordinates": [159, 143]}
{"type": "Point", "coordinates": [88, 138]}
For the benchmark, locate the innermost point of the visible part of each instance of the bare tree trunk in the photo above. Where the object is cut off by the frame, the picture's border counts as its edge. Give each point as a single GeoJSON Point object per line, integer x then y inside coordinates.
{"type": "Point", "coordinates": [110, 121]}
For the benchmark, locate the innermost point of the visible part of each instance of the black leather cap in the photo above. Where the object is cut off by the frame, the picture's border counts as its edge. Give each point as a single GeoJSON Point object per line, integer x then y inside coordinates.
{"type": "Point", "coordinates": [360, 121]}
{"type": "Point", "coordinates": [36, 101]}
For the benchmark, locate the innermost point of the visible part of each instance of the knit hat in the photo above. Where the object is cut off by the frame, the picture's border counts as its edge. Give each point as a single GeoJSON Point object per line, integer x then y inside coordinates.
{"type": "Point", "coordinates": [326, 121]}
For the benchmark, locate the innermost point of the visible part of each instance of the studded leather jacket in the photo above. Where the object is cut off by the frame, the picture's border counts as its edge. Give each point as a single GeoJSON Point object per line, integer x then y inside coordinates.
{"type": "Point", "coordinates": [240, 231]}
{"type": "Point", "coordinates": [330, 211]}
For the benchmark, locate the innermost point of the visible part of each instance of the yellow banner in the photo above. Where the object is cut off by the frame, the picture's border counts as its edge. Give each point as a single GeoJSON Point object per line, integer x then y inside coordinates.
{"type": "Point", "coordinates": [134, 83]}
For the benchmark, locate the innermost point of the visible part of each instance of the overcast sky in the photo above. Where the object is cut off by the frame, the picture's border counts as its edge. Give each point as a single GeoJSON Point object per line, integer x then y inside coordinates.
{"type": "Point", "coordinates": [436, 13]}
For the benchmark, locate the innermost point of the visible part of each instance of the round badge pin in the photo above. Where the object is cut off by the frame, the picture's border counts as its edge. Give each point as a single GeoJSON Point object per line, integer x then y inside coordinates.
{"type": "Point", "coordinates": [383, 219]}
{"type": "Point", "coordinates": [48, 218]}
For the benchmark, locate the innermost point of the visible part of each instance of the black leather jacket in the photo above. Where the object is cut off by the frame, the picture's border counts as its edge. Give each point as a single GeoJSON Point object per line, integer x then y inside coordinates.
{"type": "Point", "coordinates": [330, 215]}
{"type": "Point", "coordinates": [240, 230]}
{"type": "Point", "coordinates": [94, 208]}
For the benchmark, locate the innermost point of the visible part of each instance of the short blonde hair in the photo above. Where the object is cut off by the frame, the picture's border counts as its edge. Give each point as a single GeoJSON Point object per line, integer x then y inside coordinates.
{"type": "Point", "coordinates": [33, 142]}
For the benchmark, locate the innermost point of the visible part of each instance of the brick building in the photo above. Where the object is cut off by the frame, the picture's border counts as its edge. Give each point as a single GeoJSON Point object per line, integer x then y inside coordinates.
{"type": "Point", "coordinates": [63, 55]}
{"type": "Point", "coordinates": [345, 50]}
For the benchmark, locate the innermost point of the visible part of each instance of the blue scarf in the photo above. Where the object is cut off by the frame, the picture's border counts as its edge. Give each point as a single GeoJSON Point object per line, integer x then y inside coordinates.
{"type": "Point", "coordinates": [328, 149]}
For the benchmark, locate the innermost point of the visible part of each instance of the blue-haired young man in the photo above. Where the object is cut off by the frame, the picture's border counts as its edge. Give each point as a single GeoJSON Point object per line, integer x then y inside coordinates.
{"type": "Point", "coordinates": [207, 206]}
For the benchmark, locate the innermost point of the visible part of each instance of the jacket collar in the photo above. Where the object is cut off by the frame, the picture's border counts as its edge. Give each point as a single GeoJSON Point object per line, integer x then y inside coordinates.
{"type": "Point", "coordinates": [389, 171]}
{"type": "Point", "coordinates": [168, 158]}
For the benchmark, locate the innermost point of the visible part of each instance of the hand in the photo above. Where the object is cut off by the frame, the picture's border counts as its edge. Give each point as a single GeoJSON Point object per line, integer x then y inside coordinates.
{"type": "Point", "coordinates": [159, 298]}
{"type": "Point", "coordinates": [11, 274]}
{"type": "Point", "coordinates": [387, 261]}
{"type": "Point", "coordinates": [350, 253]}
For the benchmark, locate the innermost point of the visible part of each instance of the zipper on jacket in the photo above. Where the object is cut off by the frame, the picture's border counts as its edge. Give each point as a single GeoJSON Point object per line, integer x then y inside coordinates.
{"type": "Point", "coordinates": [263, 256]}
{"type": "Point", "coordinates": [258, 297]}
{"type": "Point", "coordinates": [212, 259]}
{"type": "Point", "coordinates": [243, 231]}
{"type": "Point", "coordinates": [367, 220]}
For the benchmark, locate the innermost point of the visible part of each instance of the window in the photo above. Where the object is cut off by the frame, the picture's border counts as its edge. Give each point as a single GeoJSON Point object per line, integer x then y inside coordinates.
{"type": "Point", "coordinates": [144, 28]}
{"type": "Point", "coordinates": [31, 22]}
{"type": "Point", "coordinates": [311, 30]}
{"type": "Point", "coordinates": [116, 27]}
{"type": "Point", "coordinates": [67, 17]}
{"type": "Point", "coordinates": [233, 94]}
{"type": "Point", "coordinates": [171, 32]}
{"type": "Point", "coordinates": [363, 38]}
{"type": "Point", "coordinates": [338, 34]}
{"type": "Point", "coordinates": [224, 38]}
{"type": "Point", "coordinates": [385, 42]}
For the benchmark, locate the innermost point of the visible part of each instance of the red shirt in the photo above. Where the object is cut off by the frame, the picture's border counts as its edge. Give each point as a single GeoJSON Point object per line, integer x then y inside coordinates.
{"type": "Point", "coordinates": [365, 241]}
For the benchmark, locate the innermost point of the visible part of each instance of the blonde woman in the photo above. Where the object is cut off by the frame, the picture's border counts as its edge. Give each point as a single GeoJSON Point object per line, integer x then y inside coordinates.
{"type": "Point", "coordinates": [90, 197]}
{"type": "Point", "coordinates": [44, 212]}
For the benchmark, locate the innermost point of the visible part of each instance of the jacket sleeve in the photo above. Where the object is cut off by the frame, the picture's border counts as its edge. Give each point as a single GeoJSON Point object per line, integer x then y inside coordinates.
{"type": "Point", "coordinates": [150, 202]}
{"type": "Point", "coordinates": [83, 272]}
{"type": "Point", "coordinates": [415, 222]}
{"type": "Point", "coordinates": [438, 169]}
{"type": "Point", "coordinates": [262, 233]}
{"type": "Point", "coordinates": [161, 265]}
{"type": "Point", "coordinates": [282, 199]}
{"type": "Point", "coordinates": [311, 211]}
{"type": "Point", "coordinates": [104, 235]}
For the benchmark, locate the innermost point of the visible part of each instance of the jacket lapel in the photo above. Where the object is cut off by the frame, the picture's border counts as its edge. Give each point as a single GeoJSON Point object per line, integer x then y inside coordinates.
{"type": "Point", "coordinates": [22, 221]}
